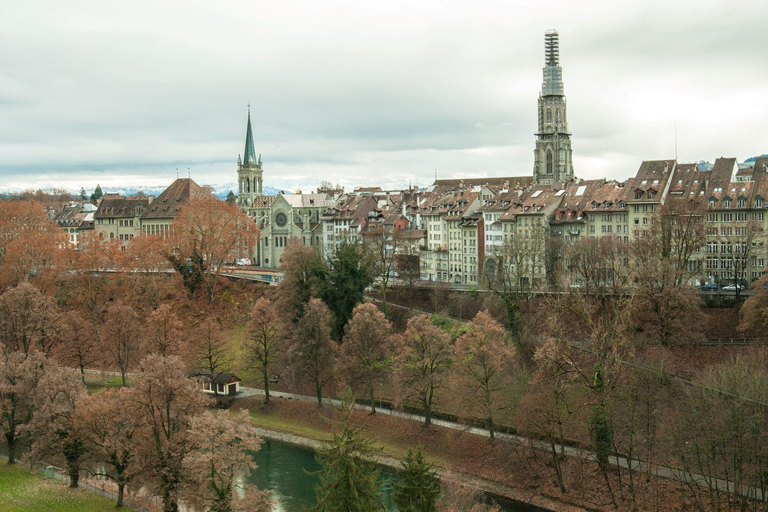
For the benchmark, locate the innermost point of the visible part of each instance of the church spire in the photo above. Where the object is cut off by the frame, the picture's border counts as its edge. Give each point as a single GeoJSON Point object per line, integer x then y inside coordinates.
{"type": "Point", "coordinates": [553, 153]}
{"type": "Point", "coordinates": [249, 155]}
{"type": "Point", "coordinates": [553, 73]}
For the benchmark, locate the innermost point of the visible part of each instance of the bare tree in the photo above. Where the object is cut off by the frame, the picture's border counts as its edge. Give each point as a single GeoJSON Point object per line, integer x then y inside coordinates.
{"type": "Point", "coordinates": [78, 343]}
{"type": "Point", "coordinates": [736, 243]}
{"type": "Point", "coordinates": [167, 401]}
{"type": "Point", "coordinates": [263, 340]}
{"type": "Point", "coordinates": [511, 271]}
{"type": "Point", "coordinates": [110, 425]}
{"type": "Point", "coordinates": [53, 428]}
{"type": "Point", "coordinates": [28, 320]}
{"type": "Point", "coordinates": [122, 337]}
{"type": "Point", "coordinates": [221, 454]}
{"type": "Point", "coordinates": [32, 246]}
{"type": "Point", "coordinates": [206, 234]}
{"type": "Point", "coordinates": [381, 244]}
{"type": "Point", "coordinates": [312, 352]}
{"type": "Point", "coordinates": [365, 353]}
{"type": "Point", "coordinates": [20, 375]}
{"type": "Point", "coordinates": [482, 354]}
{"type": "Point", "coordinates": [667, 305]}
{"type": "Point", "coordinates": [164, 332]}
{"type": "Point", "coordinates": [754, 312]}
{"type": "Point", "coordinates": [209, 351]}
{"type": "Point", "coordinates": [424, 357]}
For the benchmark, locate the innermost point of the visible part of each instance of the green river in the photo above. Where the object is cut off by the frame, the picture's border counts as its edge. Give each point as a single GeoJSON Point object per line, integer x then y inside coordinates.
{"type": "Point", "coordinates": [284, 469]}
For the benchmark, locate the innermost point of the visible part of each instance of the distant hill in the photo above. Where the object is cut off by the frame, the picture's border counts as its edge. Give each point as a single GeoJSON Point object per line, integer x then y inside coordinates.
{"type": "Point", "coordinates": [752, 160]}
{"type": "Point", "coordinates": [219, 191]}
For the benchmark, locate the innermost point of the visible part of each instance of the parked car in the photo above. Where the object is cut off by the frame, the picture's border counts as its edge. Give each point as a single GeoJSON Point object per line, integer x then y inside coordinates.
{"type": "Point", "coordinates": [242, 262]}
{"type": "Point", "coordinates": [709, 287]}
{"type": "Point", "coordinates": [733, 288]}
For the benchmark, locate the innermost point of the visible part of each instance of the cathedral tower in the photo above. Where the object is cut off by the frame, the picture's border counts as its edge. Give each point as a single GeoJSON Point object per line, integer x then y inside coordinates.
{"type": "Point", "coordinates": [553, 155]}
{"type": "Point", "coordinates": [248, 171]}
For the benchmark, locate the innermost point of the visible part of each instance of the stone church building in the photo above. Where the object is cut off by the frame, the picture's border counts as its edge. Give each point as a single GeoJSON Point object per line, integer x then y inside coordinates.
{"type": "Point", "coordinates": [278, 217]}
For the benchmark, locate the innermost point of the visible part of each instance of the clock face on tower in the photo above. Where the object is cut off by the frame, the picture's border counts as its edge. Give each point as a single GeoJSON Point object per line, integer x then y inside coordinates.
{"type": "Point", "coordinates": [281, 219]}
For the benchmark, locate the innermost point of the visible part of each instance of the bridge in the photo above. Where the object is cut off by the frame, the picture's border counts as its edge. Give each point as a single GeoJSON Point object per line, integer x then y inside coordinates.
{"type": "Point", "coordinates": [259, 275]}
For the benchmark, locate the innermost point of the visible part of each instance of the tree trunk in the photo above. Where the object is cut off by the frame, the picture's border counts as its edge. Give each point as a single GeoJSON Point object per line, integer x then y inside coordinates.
{"type": "Point", "coordinates": [122, 374]}
{"type": "Point", "coordinates": [372, 398]}
{"type": "Point", "coordinates": [427, 412]}
{"type": "Point", "coordinates": [120, 493]}
{"type": "Point", "coordinates": [319, 393]}
{"type": "Point", "coordinates": [74, 477]}
{"type": "Point", "coordinates": [11, 441]}
{"type": "Point", "coordinates": [266, 385]}
{"type": "Point", "coordinates": [558, 469]}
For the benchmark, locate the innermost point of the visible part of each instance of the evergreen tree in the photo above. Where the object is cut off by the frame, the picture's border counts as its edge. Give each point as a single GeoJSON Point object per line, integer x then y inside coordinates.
{"type": "Point", "coordinates": [348, 276]}
{"type": "Point", "coordinates": [417, 490]}
{"type": "Point", "coordinates": [600, 427]}
{"type": "Point", "coordinates": [83, 197]}
{"type": "Point", "coordinates": [348, 478]}
{"type": "Point", "coordinates": [231, 197]}
{"type": "Point", "coordinates": [97, 193]}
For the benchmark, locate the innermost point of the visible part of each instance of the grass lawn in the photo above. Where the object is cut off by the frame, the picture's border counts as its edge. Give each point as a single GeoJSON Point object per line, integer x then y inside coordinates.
{"type": "Point", "coordinates": [292, 427]}
{"type": "Point", "coordinates": [21, 491]}
{"type": "Point", "coordinates": [96, 382]}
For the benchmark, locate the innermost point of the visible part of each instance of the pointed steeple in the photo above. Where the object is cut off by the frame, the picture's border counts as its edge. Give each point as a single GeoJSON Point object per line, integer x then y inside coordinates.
{"type": "Point", "coordinates": [249, 155]}
{"type": "Point", "coordinates": [553, 73]}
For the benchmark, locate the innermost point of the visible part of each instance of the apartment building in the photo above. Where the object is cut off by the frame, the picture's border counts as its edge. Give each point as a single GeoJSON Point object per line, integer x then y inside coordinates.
{"type": "Point", "coordinates": [119, 218]}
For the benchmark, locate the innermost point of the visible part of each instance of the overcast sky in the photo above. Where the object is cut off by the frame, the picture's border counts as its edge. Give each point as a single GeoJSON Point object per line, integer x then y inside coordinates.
{"type": "Point", "coordinates": [364, 92]}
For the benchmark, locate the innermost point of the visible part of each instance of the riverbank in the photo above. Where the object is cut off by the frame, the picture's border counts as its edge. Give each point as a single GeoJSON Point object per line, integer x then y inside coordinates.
{"type": "Point", "coordinates": [21, 490]}
{"type": "Point", "coordinates": [504, 469]}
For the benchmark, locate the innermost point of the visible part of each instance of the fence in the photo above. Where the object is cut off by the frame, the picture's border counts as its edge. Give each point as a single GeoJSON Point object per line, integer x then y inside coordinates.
{"type": "Point", "coordinates": [95, 485]}
{"type": "Point", "coordinates": [735, 341]}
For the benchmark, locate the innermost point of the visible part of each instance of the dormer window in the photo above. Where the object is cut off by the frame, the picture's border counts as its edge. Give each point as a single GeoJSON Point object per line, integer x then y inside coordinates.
{"type": "Point", "coordinates": [758, 202]}
{"type": "Point", "coordinates": [622, 204]}
{"type": "Point", "coordinates": [639, 194]}
{"type": "Point", "coordinates": [651, 194]}
{"type": "Point", "coordinates": [726, 203]}
{"type": "Point", "coordinates": [742, 202]}
{"type": "Point", "coordinates": [712, 202]}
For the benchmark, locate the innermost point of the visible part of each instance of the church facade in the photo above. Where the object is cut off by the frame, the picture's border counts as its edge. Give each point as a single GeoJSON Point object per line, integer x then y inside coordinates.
{"type": "Point", "coordinates": [553, 155]}
{"type": "Point", "coordinates": [278, 217]}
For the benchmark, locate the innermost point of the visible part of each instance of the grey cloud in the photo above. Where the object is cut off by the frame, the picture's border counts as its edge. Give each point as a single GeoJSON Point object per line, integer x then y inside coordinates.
{"type": "Point", "coordinates": [389, 90]}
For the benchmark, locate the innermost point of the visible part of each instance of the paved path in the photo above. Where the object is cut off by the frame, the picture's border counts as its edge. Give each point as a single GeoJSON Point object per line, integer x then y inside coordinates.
{"type": "Point", "coordinates": [621, 462]}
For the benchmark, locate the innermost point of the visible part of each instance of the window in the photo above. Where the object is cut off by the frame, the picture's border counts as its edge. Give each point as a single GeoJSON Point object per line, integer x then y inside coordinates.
{"type": "Point", "coordinates": [638, 195]}
{"type": "Point", "coordinates": [549, 162]}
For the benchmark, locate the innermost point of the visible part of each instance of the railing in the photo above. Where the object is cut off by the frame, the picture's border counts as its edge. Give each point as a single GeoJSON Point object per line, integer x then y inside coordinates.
{"type": "Point", "coordinates": [735, 341]}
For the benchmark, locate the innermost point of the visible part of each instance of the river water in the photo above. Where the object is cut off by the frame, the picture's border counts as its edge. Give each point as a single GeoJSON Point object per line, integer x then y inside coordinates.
{"type": "Point", "coordinates": [285, 469]}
